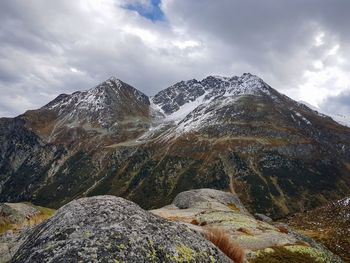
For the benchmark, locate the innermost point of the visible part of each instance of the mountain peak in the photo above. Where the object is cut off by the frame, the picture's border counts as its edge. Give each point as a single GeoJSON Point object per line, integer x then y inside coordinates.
{"type": "Point", "coordinates": [104, 104]}
{"type": "Point", "coordinates": [113, 81]}
{"type": "Point", "coordinates": [196, 92]}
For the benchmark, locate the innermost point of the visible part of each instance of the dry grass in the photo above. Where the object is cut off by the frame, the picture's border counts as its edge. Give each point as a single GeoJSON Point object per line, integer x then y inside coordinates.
{"type": "Point", "coordinates": [282, 229]}
{"type": "Point", "coordinates": [224, 242]}
{"type": "Point", "coordinates": [194, 222]}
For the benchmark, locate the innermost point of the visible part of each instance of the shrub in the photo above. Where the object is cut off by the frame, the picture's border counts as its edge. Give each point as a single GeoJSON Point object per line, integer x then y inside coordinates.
{"type": "Point", "coordinates": [224, 242]}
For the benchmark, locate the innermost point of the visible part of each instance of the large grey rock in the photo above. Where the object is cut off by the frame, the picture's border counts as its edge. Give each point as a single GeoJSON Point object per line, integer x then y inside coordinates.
{"type": "Point", "coordinates": [263, 217]}
{"type": "Point", "coordinates": [208, 198]}
{"type": "Point", "coordinates": [112, 229]}
{"type": "Point", "coordinates": [10, 241]}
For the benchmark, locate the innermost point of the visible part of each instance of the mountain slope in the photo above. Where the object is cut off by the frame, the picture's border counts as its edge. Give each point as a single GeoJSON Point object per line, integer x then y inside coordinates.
{"type": "Point", "coordinates": [57, 152]}
{"type": "Point", "coordinates": [330, 224]}
{"type": "Point", "coordinates": [274, 152]}
{"type": "Point", "coordinates": [234, 133]}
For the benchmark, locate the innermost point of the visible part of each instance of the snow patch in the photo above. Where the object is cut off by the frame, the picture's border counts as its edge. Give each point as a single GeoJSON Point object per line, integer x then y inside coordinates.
{"type": "Point", "coordinates": [345, 201]}
{"type": "Point", "coordinates": [303, 118]}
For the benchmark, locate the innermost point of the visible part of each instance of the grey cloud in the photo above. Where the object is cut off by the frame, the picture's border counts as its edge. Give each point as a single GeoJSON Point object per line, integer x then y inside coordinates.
{"type": "Point", "coordinates": [53, 47]}
{"type": "Point", "coordinates": [339, 104]}
{"type": "Point", "coordinates": [271, 35]}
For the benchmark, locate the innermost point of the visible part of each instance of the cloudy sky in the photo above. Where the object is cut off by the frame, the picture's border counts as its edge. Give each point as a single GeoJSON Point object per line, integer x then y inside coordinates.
{"type": "Point", "coordinates": [300, 48]}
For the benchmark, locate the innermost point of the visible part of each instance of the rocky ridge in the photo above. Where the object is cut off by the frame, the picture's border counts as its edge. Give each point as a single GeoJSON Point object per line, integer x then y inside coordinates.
{"type": "Point", "coordinates": [203, 209]}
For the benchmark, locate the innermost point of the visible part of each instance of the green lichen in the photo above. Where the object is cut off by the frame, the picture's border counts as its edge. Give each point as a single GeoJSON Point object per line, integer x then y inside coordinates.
{"type": "Point", "coordinates": [226, 218]}
{"type": "Point", "coordinates": [233, 207]}
{"type": "Point", "coordinates": [88, 234]}
{"type": "Point", "coordinates": [152, 253]}
{"type": "Point", "coordinates": [121, 246]}
{"type": "Point", "coordinates": [46, 211]}
{"type": "Point", "coordinates": [5, 226]}
{"type": "Point", "coordinates": [293, 253]}
{"type": "Point", "coordinates": [212, 259]}
{"type": "Point", "coordinates": [184, 254]}
{"type": "Point", "coordinates": [315, 253]}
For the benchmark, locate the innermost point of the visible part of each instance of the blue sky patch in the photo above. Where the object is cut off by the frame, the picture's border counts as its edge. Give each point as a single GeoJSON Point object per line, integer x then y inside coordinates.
{"type": "Point", "coordinates": [152, 11]}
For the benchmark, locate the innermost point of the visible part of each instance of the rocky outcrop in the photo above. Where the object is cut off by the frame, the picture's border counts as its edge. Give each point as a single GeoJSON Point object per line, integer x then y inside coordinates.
{"type": "Point", "coordinates": [204, 209]}
{"type": "Point", "coordinates": [16, 220]}
{"type": "Point", "coordinates": [14, 216]}
{"type": "Point", "coordinates": [112, 229]}
{"type": "Point", "coordinates": [205, 198]}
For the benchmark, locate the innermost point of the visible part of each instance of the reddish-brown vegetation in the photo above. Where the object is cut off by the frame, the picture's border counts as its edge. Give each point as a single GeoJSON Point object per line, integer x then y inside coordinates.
{"type": "Point", "coordinates": [224, 242]}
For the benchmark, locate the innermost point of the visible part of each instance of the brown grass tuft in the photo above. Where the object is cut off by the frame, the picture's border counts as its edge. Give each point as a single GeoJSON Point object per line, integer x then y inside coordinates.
{"type": "Point", "coordinates": [224, 242]}
{"type": "Point", "coordinates": [282, 229]}
{"type": "Point", "coordinates": [194, 222]}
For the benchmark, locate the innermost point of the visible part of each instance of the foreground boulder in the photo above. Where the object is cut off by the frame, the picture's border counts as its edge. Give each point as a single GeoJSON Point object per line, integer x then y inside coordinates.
{"type": "Point", "coordinates": [112, 229]}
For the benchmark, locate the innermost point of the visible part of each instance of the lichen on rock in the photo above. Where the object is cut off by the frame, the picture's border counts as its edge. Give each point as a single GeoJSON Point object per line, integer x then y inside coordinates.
{"type": "Point", "coordinates": [112, 229]}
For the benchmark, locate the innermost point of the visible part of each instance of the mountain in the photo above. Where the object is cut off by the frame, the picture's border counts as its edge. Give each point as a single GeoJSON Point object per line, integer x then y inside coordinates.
{"type": "Point", "coordinates": [342, 119]}
{"type": "Point", "coordinates": [229, 133]}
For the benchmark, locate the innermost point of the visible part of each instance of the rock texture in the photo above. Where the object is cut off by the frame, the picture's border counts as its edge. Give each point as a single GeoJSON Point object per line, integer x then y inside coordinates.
{"type": "Point", "coordinates": [227, 133]}
{"type": "Point", "coordinates": [206, 208]}
{"type": "Point", "coordinates": [10, 241]}
{"type": "Point", "coordinates": [112, 229]}
{"type": "Point", "coordinates": [202, 198]}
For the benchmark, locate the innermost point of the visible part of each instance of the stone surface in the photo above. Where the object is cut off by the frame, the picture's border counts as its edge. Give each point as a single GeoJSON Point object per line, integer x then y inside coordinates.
{"type": "Point", "coordinates": [205, 208]}
{"type": "Point", "coordinates": [16, 213]}
{"type": "Point", "coordinates": [206, 198]}
{"type": "Point", "coordinates": [263, 217]}
{"type": "Point", "coordinates": [10, 241]}
{"type": "Point", "coordinates": [112, 229]}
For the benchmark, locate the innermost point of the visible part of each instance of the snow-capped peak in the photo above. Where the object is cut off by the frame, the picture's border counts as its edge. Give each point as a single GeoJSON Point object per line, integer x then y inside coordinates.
{"type": "Point", "coordinates": [183, 97]}
{"type": "Point", "coordinates": [102, 104]}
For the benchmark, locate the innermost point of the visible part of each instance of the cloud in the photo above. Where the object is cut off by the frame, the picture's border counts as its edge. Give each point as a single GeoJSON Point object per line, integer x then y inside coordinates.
{"type": "Point", "coordinates": [282, 41]}
{"type": "Point", "coordinates": [339, 104]}
{"type": "Point", "coordinates": [53, 47]}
